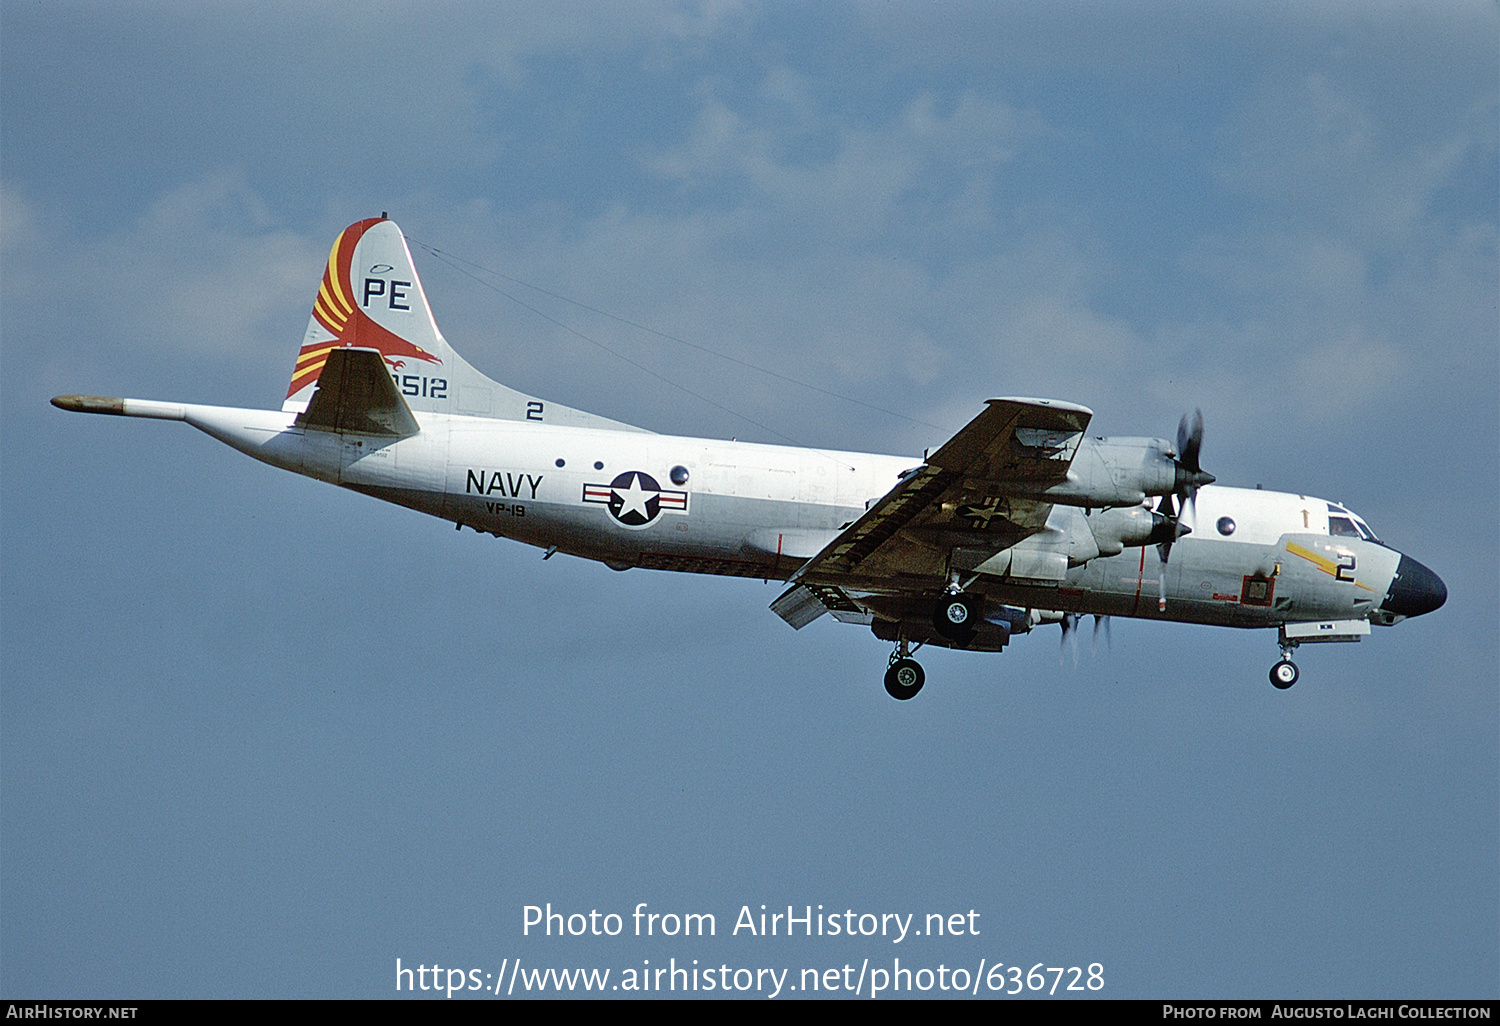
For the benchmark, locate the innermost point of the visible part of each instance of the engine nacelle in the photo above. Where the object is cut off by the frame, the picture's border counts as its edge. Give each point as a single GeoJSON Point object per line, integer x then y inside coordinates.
{"type": "Point", "coordinates": [1116, 529]}
{"type": "Point", "coordinates": [1109, 472]}
{"type": "Point", "coordinates": [1071, 538]}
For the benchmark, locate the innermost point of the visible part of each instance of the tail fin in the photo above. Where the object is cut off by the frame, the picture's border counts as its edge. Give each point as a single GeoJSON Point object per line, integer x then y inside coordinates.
{"type": "Point", "coordinates": [371, 298]}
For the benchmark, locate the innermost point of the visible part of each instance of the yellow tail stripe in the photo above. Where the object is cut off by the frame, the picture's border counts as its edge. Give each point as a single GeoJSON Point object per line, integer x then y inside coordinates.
{"type": "Point", "coordinates": [335, 301]}
{"type": "Point", "coordinates": [333, 276]}
{"type": "Point", "coordinates": [313, 354]}
{"type": "Point", "coordinates": [307, 375]}
{"type": "Point", "coordinates": [332, 318]}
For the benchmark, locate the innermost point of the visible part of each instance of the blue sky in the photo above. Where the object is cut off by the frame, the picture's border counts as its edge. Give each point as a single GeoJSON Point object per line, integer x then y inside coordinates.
{"type": "Point", "coordinates": [261, 737]}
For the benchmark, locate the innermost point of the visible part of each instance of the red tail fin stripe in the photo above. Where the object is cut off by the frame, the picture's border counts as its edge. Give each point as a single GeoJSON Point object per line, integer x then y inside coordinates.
{"type": "Point", "coordinates": [350, 325]}
{"type": "Point", "coordinates": [313, 352]}
{"type": "Point", "coordinates": [339, 258]}
{"type": "Point", "coordinates": [332, 307]}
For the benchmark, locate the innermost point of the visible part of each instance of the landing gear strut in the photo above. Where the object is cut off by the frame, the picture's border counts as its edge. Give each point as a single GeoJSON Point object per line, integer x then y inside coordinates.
{"type": "Point", "coordinates": [904, 677]}
{"type": "Point", "coordinates": [1285, 673]}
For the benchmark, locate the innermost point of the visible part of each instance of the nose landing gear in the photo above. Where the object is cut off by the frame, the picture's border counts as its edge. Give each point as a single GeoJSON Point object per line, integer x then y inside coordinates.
{"type": "Point", "coordinates": [1311, 632]}
{"type": "Point", "coordinates": [1285, 673]}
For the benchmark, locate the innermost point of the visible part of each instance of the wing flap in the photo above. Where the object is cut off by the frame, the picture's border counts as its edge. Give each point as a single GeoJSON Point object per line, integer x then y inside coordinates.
{"type": "Point", "coordinates": [801, 604]}
{"type": "Point", "coordinates": [913, 494]}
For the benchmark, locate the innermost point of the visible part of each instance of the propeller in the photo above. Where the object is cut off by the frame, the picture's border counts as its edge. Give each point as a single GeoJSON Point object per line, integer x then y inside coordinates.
{"type": "Point", "coordinates": [1101, 623]}
{"type": "Point", "coordinates": [1190, 473]}
{"type": "Point", "coordinates": [1070, 629]}
{"type": "Point", "coordinates": [1190, 440]}
{"type": "Point", "coordinates": [1189, 478]}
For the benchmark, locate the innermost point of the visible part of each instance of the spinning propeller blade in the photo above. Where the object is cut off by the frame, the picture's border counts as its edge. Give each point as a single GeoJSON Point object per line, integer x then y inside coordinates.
{"type": "Point", "coordinates": [1190, 477]}
{"type": "Point", "coordinates": [1190, 440]}
{"type": "Point", "coordinates": [1069, 628]}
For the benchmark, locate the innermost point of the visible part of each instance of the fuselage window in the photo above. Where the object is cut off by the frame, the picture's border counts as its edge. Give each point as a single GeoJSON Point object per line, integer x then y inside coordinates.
{"type": "Point", "coordinates": [1225, 526]}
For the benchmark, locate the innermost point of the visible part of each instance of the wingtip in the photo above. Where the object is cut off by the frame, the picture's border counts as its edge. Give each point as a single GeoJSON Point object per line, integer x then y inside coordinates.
{"type": "Point", "coordinates": [90, 404]}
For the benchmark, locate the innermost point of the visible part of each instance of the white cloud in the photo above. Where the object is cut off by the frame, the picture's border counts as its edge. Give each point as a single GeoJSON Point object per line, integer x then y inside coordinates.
{"type": "Point", "coordinates": [879, 250]}
{"type": "Point", "coordinates": [810, 172]}
{"type": "Point", "coordinates": [206, 271]}
{"type": "Point", "coordinates": [1311, 146]}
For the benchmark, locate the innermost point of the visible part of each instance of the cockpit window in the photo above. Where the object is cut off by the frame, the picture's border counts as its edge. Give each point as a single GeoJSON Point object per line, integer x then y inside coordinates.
{"type": "Point", "coordinates": [1342, 527]}
{"type": "Point", "coordinates": [1342, 521]}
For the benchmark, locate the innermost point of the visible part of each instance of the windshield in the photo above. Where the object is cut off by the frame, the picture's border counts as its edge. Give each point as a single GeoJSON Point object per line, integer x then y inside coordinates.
{"type": "Point", "coordinates": [1364, 528]}
{"type": "Point", "coordinates": [1342, 527]}
{"type": "Point", "coordinates": [1343, 523]}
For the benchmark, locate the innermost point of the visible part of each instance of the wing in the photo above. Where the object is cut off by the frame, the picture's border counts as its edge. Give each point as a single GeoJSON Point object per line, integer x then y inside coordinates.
{"type": "Point", "coordinates": [980, 494]}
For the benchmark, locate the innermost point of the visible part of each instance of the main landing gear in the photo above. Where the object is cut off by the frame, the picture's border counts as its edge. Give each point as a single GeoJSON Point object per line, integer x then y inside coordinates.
{"type": "Point", "coordinates": [957, 616]}
{"type": "Point", "coordinates": [904, 677]}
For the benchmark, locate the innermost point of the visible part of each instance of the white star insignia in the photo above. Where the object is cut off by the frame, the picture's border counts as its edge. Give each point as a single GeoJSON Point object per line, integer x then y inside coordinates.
{"type": "Point", "coordinates": [979, 513]}
{"type": "Point", "coordinates": [634, 498]}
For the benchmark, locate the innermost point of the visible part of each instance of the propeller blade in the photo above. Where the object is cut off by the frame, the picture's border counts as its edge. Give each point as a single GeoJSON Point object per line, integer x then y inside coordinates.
{"type": "Point", "coordinates": [1164, 509]}
{"type": "Point", "coordinates": [1161, 592]}
{"type": "Point", "coordinates": [1190, 473]}
{"type": "Point", "coordinates": [1101, 622]}
{"type": "Point", "coordinates": [1190, 477]}
{"type": "Point", "coordinates": [1190, 440]}
{"type": "Point", "coordinates": [1069, 628]}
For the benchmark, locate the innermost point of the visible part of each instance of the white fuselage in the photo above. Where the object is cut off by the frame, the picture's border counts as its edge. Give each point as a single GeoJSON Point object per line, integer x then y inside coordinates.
{"type": "Point", "coordinates": [751, 510]}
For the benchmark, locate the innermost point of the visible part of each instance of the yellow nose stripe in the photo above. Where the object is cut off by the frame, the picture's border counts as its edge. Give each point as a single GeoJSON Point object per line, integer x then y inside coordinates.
{"type": "Point", "coordinates": [1323, 563]}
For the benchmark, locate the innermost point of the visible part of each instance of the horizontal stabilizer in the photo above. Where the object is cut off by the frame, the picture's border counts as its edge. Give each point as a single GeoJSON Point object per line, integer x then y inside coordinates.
{"type": "Point", "coordinates": [355, 394]}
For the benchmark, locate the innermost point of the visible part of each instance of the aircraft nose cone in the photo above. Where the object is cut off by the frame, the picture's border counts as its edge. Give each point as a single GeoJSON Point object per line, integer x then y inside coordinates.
{"type": "Point", "coordinates": [1415, 590]}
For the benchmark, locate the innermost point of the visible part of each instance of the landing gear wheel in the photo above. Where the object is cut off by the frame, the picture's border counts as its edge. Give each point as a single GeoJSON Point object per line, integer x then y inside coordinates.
{"type": "Point", "coordinates": [1284, 674]}
{"type": "Point", "coordinates": [957, 617]}
{"type": "Point", "coordinates": [904, 679]}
